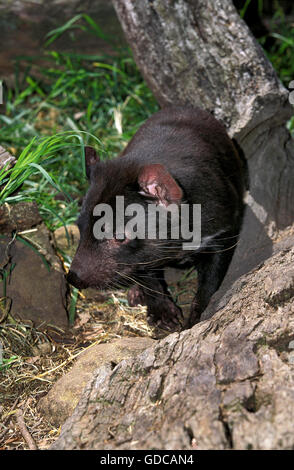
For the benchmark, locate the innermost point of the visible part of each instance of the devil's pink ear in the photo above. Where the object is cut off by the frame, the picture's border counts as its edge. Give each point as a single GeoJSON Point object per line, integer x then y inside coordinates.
{"type": "Point", "coordinates": [157, 182]}
{"type": "Point", "coordinates": [91, 157]}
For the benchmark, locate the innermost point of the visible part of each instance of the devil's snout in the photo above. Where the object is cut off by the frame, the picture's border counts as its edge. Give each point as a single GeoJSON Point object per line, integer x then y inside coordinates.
{"type": "Point", "coordinates": [75, 280]}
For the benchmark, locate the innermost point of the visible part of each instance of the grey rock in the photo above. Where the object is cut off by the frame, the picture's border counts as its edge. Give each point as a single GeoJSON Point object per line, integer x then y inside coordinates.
{"type": "Point", "coordinates": [63, 397]}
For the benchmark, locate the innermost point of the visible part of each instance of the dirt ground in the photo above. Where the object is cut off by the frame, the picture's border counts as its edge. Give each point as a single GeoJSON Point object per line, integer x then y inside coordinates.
{"type": "Point", "coordinates": [38, 358]}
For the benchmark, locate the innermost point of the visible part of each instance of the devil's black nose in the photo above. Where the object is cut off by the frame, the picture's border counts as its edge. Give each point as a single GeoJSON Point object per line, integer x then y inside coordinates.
{"type": "Point", "coordinates": [75, 280]}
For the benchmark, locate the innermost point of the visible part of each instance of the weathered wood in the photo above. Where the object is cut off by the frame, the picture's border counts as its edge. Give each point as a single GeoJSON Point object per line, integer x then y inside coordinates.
{"type": "Point", "coordinates": [202, 53]}
{"type": "Point", "coordinates": [226, 383]}
{"type": "Point", "coordinates": [6, 159]}
{"type": "Point", "coordinates": [21, 216]}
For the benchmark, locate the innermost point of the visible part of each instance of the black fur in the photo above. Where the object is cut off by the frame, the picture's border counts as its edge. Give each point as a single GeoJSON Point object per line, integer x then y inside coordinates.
{"type": "Point", "coordinates": [205, 168]}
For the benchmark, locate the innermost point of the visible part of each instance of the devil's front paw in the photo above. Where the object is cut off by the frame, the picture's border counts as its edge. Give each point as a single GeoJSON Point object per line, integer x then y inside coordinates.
{"type": "Point", "coordinates": [136, 296]}
{"type": "Point", "coordinates": [166, 316]}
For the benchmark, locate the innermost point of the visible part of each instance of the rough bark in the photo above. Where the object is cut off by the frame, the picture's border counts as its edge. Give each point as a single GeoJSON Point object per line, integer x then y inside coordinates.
{"type": "Point", "coordinates": [226, 383]}
{"type": "Point", "coordinates": [202, 53]}
{"type": "Point", "coordinates": [21, 216]}
{"type": "Point", "coordinates": [6, 159]}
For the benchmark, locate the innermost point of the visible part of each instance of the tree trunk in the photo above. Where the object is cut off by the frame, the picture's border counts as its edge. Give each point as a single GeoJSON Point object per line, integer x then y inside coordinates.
{"type": "Point", "coordinates": [202, 53]}
{"type": "Point", "coordinates": [226, 383]}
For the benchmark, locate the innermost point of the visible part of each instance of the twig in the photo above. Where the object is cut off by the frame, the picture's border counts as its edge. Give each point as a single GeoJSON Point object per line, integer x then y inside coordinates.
{"type": "Point", "coordinates": [8, 418]}
{"type": "Point", "coordinates": [24, 430]}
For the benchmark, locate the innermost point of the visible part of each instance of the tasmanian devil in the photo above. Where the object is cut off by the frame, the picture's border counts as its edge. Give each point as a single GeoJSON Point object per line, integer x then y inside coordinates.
{"type": "Point", "coordinates": [181, 156]}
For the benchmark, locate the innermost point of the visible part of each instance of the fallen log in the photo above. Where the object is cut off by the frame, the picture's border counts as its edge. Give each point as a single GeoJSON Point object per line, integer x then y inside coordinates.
{"type": "Point", "coordinates": [225, 384]}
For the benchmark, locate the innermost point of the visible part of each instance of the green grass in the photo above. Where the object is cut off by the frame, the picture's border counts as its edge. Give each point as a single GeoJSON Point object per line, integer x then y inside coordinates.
{"type": "Point", "coordinates": [62, 101]}
{"type": "Point", "coordinates": [59, 105]}
{"type": "Point", "coordinates": [281, 28]}
{"type": "Point", "coordinates": [282, 52]}
{"type": "Point", "coordinates": [6, 363]}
